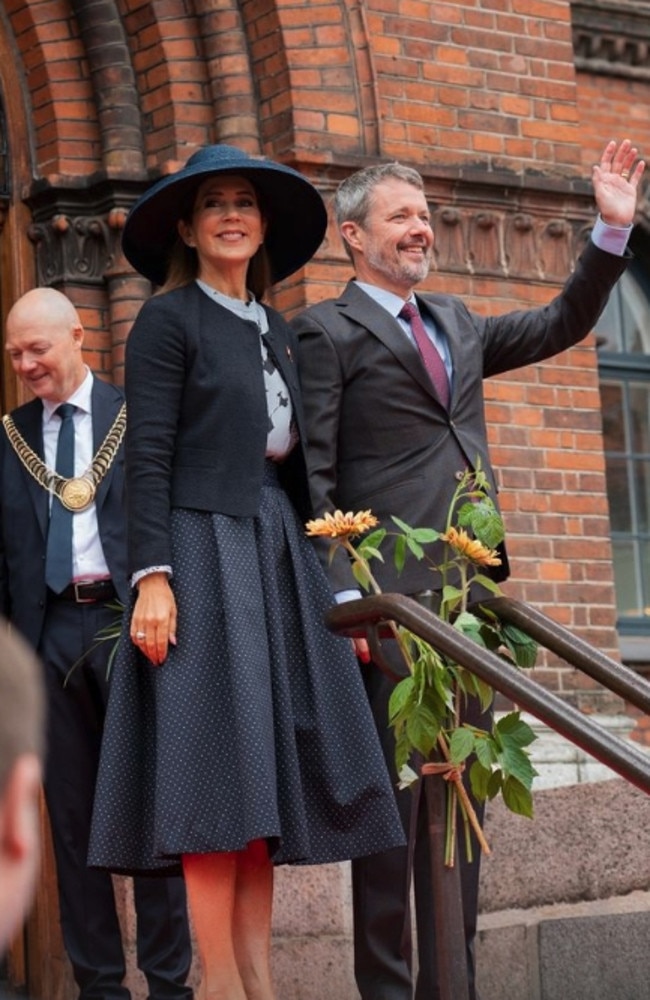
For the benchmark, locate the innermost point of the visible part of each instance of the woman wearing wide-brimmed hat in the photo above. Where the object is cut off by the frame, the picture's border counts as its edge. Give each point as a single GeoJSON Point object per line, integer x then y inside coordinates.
{"type": "Point", "coordinates": [249, 741]}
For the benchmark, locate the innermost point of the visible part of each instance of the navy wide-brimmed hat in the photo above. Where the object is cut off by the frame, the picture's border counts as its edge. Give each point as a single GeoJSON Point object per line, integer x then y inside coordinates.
{"type": "Point", "coordinates": [294, 209]}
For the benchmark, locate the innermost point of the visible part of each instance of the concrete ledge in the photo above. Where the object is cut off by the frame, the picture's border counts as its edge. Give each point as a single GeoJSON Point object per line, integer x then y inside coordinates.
{"type": "Point", "coordinates": [584, 951]}
{"type": "Point", "coordinates": [585, 842]}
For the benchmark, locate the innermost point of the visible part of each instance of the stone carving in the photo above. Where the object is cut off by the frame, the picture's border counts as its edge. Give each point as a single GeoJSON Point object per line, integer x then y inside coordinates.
{"type": "Point", "coordinates": [75, 246]}
{"type": "Point", "coordinates": [450, 241]}
{"type": "Point", "coordinates": [612, 37]}
{"type": "Point", "coordinates": [484, 244]}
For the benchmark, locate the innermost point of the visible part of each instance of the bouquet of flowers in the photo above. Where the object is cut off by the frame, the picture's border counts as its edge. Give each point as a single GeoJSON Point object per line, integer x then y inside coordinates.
{"type": "Point", "coordinates": [425, 706]}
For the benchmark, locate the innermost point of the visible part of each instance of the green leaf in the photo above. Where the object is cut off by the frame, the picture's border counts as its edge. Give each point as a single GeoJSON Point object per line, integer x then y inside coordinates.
{"type": "Point", "coordinates": [512, 736]}
{"type": "Point", "coordinates": [373, 540]}
{"type": "Point", "coordinates": [370, 553]}
{"type": "Point", "coordinates": [485, 752]}
{"type": "Point", "coordinates": [422, 729]}
{"type": "Point", "coordinates": [494, 784]}
{"type": "Point", "coordinates": [107, 633]}
{"type": "Point", "coordinates": [517, 797]}
{"type": "Point", "coordinates": [487, 582]}
{"type": "Point", "coordinates": [461, 744]}
{"type": "Point", "coordinates": [484, 692]}
{"type": "Point", "coordinates": [522, 647]}
{"type": "Point", "coordinates": [471, 626]}
{"type": "Point", "coordinates": [406, 528]}
{"type": "Point", "coordinates": [401, 694]}
{"type": "Point", "coordinates": [425, 535]}
{"type": "Point", "coordinates": [402, 750]}
{"type": "Point", "coordinates": [513, 728]}
{"type": "Point", "coordinates": [439, 695]}
{"type": "Point", "coordinates": [468, 620]}
{"type": "Point", "coordinates": [480, 477]}
{"type": "Point", "coordinates": [451, 594]}
{"type": "Point", "coordinates": [464, 514]}
{"type": "Point", "coordinates": [415, 547]}
{"type": "Point", "coordinates": [519, 766]}
{"type": "Point", "coordinates": [400, 553]}
{"type": "Point", "coordinates": [479, 779]}
{"type": "Point", "coordinates": [491, 638]}
{"type": "Point", "coordinates": [485, 522]}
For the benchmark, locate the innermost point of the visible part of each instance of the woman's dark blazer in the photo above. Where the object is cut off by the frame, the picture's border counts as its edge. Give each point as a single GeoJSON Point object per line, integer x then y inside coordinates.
{"type": "Point", "coordinates": [198, 420]}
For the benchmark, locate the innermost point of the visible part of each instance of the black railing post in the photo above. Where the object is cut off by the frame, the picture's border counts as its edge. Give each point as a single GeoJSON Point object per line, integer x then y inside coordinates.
{"type": "Point", "coordinates": [451, 952]}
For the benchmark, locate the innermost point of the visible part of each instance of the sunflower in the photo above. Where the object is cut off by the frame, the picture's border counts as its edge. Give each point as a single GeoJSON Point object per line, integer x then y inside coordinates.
{"type": "Point", "coordinates": [340, 525]}
{"type": "Point", "coordinates": [470, 548]}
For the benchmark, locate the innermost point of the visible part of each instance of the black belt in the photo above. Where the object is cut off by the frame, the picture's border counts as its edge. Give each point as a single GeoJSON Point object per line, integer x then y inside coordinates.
{"type": "Point", "coordinates": [87, 593]}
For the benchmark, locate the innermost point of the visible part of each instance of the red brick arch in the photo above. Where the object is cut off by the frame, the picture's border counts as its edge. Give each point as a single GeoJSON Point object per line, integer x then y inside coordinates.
{"type": "Point", "coordinates": [59, 95]}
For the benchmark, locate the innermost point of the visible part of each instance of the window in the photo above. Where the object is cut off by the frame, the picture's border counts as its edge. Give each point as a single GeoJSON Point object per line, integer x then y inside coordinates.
{"type": "Point", "coordinates": [623, 338]}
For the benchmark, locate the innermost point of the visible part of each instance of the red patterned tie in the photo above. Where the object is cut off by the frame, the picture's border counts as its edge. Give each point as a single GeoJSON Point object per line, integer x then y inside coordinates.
{"type": "Point", "coordinates": [433, 363]}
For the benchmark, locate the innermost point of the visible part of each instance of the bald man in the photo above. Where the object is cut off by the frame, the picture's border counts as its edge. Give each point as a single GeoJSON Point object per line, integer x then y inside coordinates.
{"type": "Point", "coordinates": [62, 562]}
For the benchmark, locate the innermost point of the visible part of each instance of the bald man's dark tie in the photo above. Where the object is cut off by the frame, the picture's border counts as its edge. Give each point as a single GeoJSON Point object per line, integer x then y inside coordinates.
{"type": "Point", "coordinates": [433, 363]}
{"type": "Point", "coordinates": [58, 559]}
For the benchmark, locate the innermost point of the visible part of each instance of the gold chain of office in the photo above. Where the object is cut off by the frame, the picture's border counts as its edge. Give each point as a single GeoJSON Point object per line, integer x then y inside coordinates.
{"type": "Point", "coordinates": [77, 493]}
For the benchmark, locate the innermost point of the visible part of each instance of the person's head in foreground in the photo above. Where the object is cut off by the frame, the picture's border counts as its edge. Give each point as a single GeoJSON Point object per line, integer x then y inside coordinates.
{"type": "Point", "coordinates": [22, 729]}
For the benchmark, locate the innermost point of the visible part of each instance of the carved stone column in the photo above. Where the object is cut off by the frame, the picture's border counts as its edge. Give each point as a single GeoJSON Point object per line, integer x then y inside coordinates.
{"type": "Point", "coordinates": [77, 236]}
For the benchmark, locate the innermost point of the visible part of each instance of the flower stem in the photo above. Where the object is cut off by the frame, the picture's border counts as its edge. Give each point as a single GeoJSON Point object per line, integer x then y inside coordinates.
{"type": "Point", "coordinates": [374, 586]}
{"type": "Point", "coordinates": [465, 801]}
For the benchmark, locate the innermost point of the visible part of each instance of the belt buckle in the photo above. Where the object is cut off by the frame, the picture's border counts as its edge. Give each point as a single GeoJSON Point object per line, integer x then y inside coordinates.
{"type": "Point", "coordinates": [77, 596]}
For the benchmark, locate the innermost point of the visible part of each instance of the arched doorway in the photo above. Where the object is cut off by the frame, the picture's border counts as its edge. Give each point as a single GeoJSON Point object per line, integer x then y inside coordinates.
{"type": "Point", "coordinates": [36, 960]}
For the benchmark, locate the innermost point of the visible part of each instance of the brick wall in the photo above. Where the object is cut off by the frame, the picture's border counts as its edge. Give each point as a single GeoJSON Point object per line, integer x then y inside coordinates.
{"type": "Point", "coordinates": [481, 95]}
{"type": "Point", "coordinates": [482, 98]}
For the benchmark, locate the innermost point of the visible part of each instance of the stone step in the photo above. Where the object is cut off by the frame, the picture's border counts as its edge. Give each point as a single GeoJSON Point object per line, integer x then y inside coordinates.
{"type": "Point", "coordinates": [596, 950]}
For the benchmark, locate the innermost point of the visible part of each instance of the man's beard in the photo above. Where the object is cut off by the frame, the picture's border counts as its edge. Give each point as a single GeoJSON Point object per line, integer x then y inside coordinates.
{"type": "Point", "coordinates": [400, 272]}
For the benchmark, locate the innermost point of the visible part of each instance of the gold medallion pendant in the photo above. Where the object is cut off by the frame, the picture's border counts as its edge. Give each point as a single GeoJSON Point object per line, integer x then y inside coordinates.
{"type": "Point", "coordinates": [77, 494]}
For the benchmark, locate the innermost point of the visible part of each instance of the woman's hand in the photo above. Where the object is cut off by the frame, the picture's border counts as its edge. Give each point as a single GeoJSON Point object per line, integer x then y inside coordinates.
{"type": "Point", "coordinates": [361, 650]}
{"type": "Point", "coordinates": [153, 624]}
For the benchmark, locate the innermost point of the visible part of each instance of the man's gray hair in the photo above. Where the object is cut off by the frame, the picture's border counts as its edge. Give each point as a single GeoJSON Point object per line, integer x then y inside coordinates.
{"type": "Point", "coordinates": [352, 199]}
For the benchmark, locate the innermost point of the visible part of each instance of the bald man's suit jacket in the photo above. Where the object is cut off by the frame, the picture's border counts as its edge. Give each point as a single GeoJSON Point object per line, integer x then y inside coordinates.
{"type": "Point", "coordinates": [24, 514]}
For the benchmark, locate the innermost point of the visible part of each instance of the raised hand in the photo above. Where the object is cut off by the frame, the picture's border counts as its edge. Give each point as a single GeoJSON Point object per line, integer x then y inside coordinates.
{"type": "Point", "coordinates": [616, 180]}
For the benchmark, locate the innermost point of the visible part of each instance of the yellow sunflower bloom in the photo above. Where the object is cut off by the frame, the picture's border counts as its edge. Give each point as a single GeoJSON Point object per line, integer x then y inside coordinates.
{"type": "Point", "coordinates": [471, 548]}
{"type": "Point", "coordinates": [340, 525]}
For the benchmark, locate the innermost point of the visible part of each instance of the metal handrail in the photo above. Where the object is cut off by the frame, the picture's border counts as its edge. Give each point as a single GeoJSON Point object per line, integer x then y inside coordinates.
{"type": "Point", "coordinates": [370, 614]}
{"type": "Point", "coordinates": [627, 760]}
{"type": "Point", "coordinates": [610, 673]}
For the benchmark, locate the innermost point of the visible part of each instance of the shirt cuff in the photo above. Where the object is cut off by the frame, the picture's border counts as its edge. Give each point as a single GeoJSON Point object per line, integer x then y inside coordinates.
{"type": "Point", "coordinates": [347, 595]}
{"type": "Point", "coordinates": [612, 239]}
{"type": "Point", "coordinates": [147, 572]}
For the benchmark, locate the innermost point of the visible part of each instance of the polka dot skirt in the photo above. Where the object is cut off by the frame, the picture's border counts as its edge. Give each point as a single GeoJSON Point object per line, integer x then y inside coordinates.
{"type": "Point", "coordinates": [256, 726]}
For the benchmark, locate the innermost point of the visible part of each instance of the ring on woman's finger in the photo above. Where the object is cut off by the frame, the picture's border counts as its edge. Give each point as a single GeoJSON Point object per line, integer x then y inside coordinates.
{"type": "Point", "coordinates": [141, 635]}
{"type": "Point", "coordinates": [625, 174]}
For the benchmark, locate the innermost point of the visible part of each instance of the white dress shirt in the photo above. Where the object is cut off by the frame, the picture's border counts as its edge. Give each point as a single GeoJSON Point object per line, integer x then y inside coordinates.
{"type": "Point", "coordinates": [88, 562]}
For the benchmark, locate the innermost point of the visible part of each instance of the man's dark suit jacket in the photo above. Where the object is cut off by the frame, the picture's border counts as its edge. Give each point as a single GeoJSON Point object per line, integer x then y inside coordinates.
{"type": "Point", "coordinates": [377, 436]}
{"type": "Point", "coordinates": [24, 512]}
